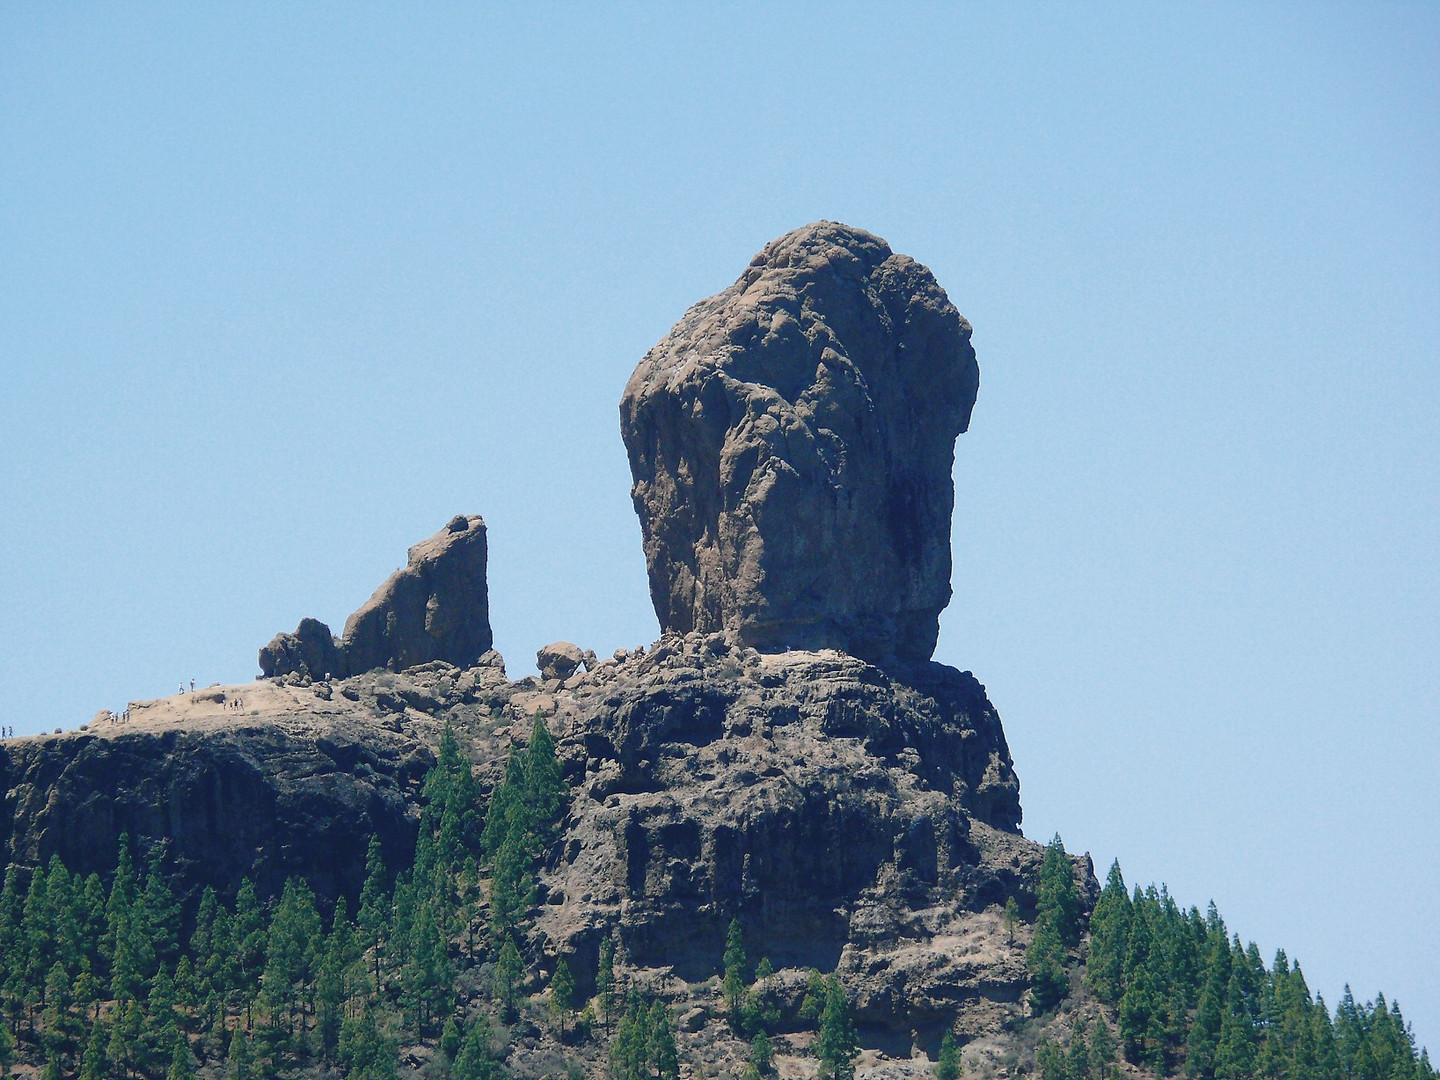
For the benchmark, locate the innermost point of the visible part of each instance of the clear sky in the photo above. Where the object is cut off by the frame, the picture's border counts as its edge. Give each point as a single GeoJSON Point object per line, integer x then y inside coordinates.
{"type": "Point", "coordinates": [284, 287]}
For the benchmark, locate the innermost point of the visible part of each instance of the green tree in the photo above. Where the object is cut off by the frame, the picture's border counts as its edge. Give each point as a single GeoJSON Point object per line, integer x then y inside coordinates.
{"type": "Point", "coordinates": [762, 1054]}
{"type": "Point", "coordinates": [182, 1061]}
{"type": "Point", "coordinates": [1109, 937]}
{"type": "Point", "coordinates": [1057, 900]}
{"type": "Point", "coordinates": [239, 1063]}
{"type": "Point", "coordinates": [605, 982]}
{"type": "Point", "coordinates": [477, 1059]}
{"type": "Point", "coordinates": [428, 976]}
{"type": "Point", "coordinates": [159, 912]}
{"type": "Point", "coordinates": [836, 1046]}
{"type": "Point", "coordinates": [1101, 1050]}
{"type": "Point", "coordinates": [1011, 918]}
{"type": "Point", "coordinates": [562, 994]}
{"type": "Point", "coordinates": [735, 966]}
{"type": "Point", "coordinates": [664, 1055]}
{"type": "Point", "coordinates": [368, 1054]}
{"type": "Point", "coordinates": [509, 971]}
{"type": "Point", "coordinates": [947, 1065]}
{"type": "Point", "coordinates": [374, 914]}
{"type": "Point", "coordinates": [92, 1062]}
{"type": "Point", "coordinates": [1057, 927]}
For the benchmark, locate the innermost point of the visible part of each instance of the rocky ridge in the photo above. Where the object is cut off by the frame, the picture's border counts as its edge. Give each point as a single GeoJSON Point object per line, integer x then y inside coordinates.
{"type": "Point", "coordinates": [852, 819]}
{"type": "Point", "coordinates": [436, 607]}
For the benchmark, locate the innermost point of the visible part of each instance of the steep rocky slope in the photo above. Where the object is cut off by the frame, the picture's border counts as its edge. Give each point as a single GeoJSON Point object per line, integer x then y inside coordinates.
{"type": "Point", "coordinates": [852, 819]}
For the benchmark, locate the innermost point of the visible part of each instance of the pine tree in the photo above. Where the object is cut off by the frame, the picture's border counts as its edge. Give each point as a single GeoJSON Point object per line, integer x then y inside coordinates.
{"type": "Point", "coordinates": [248, 933]}
{"type": "Point", "coordinates": [1140, 1001]}
{"type": "Point", "coordinates": [92, 1063]}
{"type": "Point", "coordinates": [7, 1050]}
{"type": "Point", "coordinates": [947, 1065]}
{"type": "Point", "coordinates": [1011, 918]}
{"type": "Point", "coordinates": [1057, 927]}
{"type": "Point", "coordinates": [373, 916]}
{"type": "Point", "coordinates": [477, 1059]}
{"type": "Point", "coordinates": [1109, 934]}
{"type": "Point", "coordinates": [239, 1063]}
{"type": "Point", "coordinates": [159, 913]}
{"type": "Point", "coordinates": [182, 1061]}
{"type": "Point", "coordinates": [735, 965]}
{"type": "Point", "coordinates": [544, 784]}
{"type": "Point", "coordinates": [562, 994]}
{"type": "Point", "coordinates": [836, 1046]}
{"type": "Point", "coordinates": [664, 1055]}
{"type": "Point", "coordinates": [1058, 901]}
{"type": "Point", "coordinates": [762, 1054]}
{"type": "Point", "coordinates": [605, 981]}
{"type": "Point", "coordinates": [509, 971]}
{"type": "Point", "coordinates": [1101, 1050]}
{"type": "Point", "coordinates": [1235, 1052]}
{"type": "Point", "coordinates": [428, 976]}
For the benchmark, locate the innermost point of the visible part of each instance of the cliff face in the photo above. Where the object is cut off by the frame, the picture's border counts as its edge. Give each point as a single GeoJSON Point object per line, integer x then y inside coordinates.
{"type": "Point", "coordinates": [292, 782]}
{"type": "Point", "coordinates": [792, 441]}
{"type": "Point", "coordinates": [852, 819]}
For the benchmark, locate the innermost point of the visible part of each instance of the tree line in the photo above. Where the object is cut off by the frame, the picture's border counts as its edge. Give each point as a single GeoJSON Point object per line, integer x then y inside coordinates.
{"type": "Point", "coordinates": [98, 981]}
{"type": "Point", "coordinates": [1188, 999]}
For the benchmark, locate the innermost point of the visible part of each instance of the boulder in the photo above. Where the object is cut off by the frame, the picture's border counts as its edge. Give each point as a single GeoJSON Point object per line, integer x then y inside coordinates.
{"type": "Point", "coordinates": [791, 443]}
{"type": "Point", "coordinates": [558, 660]}
{"type": "Point", "coordinates": [311, 650]}
{"type": "Point", "coordinates": [436, 608]}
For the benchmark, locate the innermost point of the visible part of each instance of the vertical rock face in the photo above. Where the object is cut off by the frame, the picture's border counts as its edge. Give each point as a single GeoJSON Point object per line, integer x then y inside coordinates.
{"type": "Point", "coordinates": [791, 443]}
{"type": "Point", "coordinates": [436, 608]}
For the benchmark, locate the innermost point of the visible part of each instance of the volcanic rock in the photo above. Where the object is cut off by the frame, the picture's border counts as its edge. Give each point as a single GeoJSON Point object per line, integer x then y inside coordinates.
{"type": "Point", "coordinates": [436, 608]}
{"type": "Point", "coordinates": [791, 443]}
{"type": "Point", "coordinates": [311, 650]}
{"type": "Point", "coordinates": [558, 660]}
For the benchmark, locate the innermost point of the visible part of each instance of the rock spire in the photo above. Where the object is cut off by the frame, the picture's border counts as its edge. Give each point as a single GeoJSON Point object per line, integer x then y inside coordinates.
{"type": "Point", "coordinates": [791, 442]}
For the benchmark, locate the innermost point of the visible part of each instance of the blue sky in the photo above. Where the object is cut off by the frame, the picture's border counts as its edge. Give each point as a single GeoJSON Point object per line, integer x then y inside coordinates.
{"type": "Point", "coordinates": [282, 290]}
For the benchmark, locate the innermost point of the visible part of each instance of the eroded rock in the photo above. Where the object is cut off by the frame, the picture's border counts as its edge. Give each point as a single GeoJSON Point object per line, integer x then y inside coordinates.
{"type": "Point", "coordinates": [311, 650]}
{"type": "Point", "coordinates": [791, 442]}
{"type": "Point", "coordinates": [559, 659]}
{"type": "Point", "coordinates": [436, 608]}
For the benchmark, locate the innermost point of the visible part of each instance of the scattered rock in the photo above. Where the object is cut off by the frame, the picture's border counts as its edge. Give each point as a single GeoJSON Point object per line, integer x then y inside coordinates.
{"type": "Point", "coordinates": [559, 659]}
{"type": "Point", "coordinates": [792, 441]}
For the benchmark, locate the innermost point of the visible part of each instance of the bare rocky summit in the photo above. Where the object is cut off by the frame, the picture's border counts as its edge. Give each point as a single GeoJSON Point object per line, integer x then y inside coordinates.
{"type": "Point", "coordinates": [791, 442]}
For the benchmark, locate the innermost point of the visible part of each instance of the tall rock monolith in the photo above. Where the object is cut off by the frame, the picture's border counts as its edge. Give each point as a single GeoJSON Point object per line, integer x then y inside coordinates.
{"type": "Point", "coordinates": [791, 442]}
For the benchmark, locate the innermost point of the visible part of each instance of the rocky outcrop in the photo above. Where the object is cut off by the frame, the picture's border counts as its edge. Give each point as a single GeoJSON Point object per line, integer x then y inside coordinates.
{"type": "Point", "coordinates": [436, 608]}
{"type": "Point", "coordinates": [846, 815]}
{"type": "Point", "coordinates": [792, 441]}
{"type": "Point", "coordinates": [311, 650]}
{"type": "Point", "coordinates": [281, 778]}
{"type": "Point", "coordinates": [559, 659]}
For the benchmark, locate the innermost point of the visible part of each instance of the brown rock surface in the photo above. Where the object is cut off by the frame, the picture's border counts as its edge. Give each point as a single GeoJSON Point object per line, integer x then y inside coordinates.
{"type": "Point", "coordinates": [559, 659]}
{"type": "Point", "coordinates": [791, 442]}
{"type": "Point", "coordinates": [311, 650]}
{"type": "Point", "coordinates": [436, 608]}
